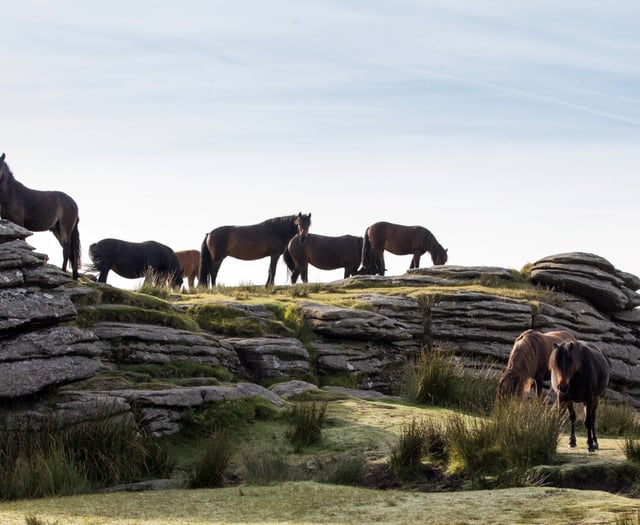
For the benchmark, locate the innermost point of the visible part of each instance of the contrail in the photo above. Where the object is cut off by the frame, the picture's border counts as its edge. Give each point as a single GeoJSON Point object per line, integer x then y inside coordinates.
{"type": "Point", "coordinates": [635, 122]}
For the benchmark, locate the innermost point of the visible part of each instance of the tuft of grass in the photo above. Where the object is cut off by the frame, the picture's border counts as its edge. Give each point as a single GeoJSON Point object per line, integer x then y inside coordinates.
{"type": "Point", "coordinates": [210, 470]}
{"type": "Point", "coordinates": [437, 379]}
{"type": "Point", "coordinates": [518, 434]}
{"type": "Point", "coordinates": [406, 456]}
{"type": "Point", "coordinates": [617, 419]}
{"type": "Point", "coordinates": [262, 466]}
{"type": "Point", "coordinates": [346, 469]}
{"type": "Point", "coordinates": [631, 448]}
{"type": "Point", "coordinates": [304, 423]}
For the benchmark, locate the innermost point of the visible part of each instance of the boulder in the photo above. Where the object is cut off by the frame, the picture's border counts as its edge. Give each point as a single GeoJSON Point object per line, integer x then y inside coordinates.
{"type": "Point", "coordinates": [588, 276]}
{"type": "Point", "coordinates": [349, 323]}
{"type": "Point", "coordinates": [271, 357]}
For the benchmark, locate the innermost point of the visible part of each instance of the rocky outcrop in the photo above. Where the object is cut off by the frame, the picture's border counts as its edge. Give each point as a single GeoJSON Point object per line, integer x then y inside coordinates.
{"type": "Point", "coordinates": [51, 362]}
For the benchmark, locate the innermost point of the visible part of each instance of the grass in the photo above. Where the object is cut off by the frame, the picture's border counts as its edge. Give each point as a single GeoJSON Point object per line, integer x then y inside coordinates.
{"type": "Point", "coordinates": [307, 502]}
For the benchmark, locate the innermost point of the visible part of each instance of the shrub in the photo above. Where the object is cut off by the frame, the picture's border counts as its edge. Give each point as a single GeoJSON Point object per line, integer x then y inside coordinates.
{"type": "Point", "coordinates": [305, 420]}
{"type": "Point", "coordinates": [210, 470]}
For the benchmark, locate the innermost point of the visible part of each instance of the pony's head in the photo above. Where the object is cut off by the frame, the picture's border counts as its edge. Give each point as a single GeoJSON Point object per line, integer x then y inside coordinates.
{"type": "Point", "coordinates": [439, 256]}
{"type": "Point", "coordinates": [302, 223]}
{"type": "Point", "coordinates": [564, 362]}
{"type": "Point", "coordinates": [509, 385]}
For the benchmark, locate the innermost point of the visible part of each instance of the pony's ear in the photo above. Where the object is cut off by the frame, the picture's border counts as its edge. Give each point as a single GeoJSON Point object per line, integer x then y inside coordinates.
{"type": "Point", "coordinates": [556, 345]}
{"type": "Point", "coordinates": [2, 158]}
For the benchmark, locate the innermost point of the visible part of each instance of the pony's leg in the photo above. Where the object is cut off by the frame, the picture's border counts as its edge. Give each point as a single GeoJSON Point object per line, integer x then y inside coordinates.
{"type": "Point", "coordinates": [304, 273]}
{"type": "Point", "coordinates": [192, 281]}
{"type": "Point", "coordinates": [272, 269]}
{"type": "Point", "coordinates": [572, 421]}
{"type": "Point", "coordinates": [65, 245]}
{"type": "Point", "coordinates": [590, 425]}
{"type": "Point", "coordinates": [415, 261]}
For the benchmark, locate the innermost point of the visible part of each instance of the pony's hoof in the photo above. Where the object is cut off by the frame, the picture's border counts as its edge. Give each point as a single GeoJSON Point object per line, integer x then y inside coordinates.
{"type": "Point", "coordinates": [572, 444]}
{"type": "Point", "coordinates": [592, 449]}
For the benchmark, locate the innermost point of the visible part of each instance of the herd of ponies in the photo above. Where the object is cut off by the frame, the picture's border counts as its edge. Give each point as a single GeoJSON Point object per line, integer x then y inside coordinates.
{"type": "Point", "coordinates": [578, 370]}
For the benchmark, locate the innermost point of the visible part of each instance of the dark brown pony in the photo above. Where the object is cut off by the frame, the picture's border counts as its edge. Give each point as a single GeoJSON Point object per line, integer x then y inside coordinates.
{"type": "Point", "coordinates": [399, 240]}
{"type": "Point", "coordinates": [324, 252]}
{"type": "Point", "coordinates": [579, 374]}
{"type": "Point", "coordinates": [136, 259]}
{"type": "Point", "coordinates": [190, 263]}
{"type": "Point", "coordinates": [265, 239]}
{"type": "Point", "coordinates": [529, 362]}
{"type": "Point", "coordinates": [40, 211]}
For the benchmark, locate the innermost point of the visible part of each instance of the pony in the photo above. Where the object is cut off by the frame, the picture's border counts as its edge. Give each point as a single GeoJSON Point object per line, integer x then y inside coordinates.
{"type": "Point", "coordinates": [40, 211]}
{"type": "Point", "coordinates": [265, 239]}
{"type": "Point", "coordinates": [190, 264]}
{"type": "Point", "coordinates": [529, 362]}
{"type": "Point", "coordinates": [324, 252]}
{"type": "Point", "coordinates": [135, 259]}
{"type": "Point", "coordinates": [579, 374]}
{"type": "Point", "coordinates": [399, 240]}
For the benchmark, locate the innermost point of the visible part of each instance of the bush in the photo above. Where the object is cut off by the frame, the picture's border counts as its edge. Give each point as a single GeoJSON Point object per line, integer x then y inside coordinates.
{"type": "Point", "coordinates": [631, 448]}
{"type": "Point", "coordinates": [210, 470]}
{"type": "Point", "coordinates": [305, 420]}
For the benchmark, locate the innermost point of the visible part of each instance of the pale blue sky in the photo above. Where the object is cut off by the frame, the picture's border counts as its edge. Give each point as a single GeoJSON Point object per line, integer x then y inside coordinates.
{"type": "Point", "coordinates": [510, 129]}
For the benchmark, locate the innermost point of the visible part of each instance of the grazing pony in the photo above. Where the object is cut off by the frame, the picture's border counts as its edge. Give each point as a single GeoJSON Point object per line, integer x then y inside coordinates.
{"type": "Point", "coordinates": [529, 362]}
{"type": "Point", "coordinates": [190, 264]}
{"type": "Point", "coordinates": [136, 259]}
{"type": "Point", "coordinates": [321, 251]}
{"type": "Point", "coordinates": [580, 374]}
{"type": "Point", "coordinates": [266, 239]}
{"type": "Point", "coordinates": [399, 240]}
{"type": "Point", "coordinates": [40, 211]}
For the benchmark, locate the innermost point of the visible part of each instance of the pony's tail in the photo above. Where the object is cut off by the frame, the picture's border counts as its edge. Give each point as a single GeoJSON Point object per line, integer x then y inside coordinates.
{"type": "Point", "coordinates": [366, 264]}
{"type": "Point", "coordinates": [291, 266]}
{"type": "Point", "coordinates": [205, 264]}
{"type": "Point", "coordinates": [75, 252]}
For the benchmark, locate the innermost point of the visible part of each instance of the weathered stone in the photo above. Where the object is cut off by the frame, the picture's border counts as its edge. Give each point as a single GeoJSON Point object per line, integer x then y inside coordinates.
{"type": "Point", "coordinates": [31, 306]}
{"type": "Point", "coordinates": [478, 317]}
{"type": "Point", "coordinates": [464, 273]}
{"type": "Point", "coordinates": [405, 310]}
{"type": "Point", "coordinates": [588, 276]}
{"type": "Point", "coordinates": [21, 378]}
{"type": "Point", "coordinates": [50, 342]}
{"type": "Point", "coordinates": [351, 323]}
{"type": "Point", "coordinates": [10, 231]}
{"type": "Point", "coordinates": [139, 343]}
{"type": "Point", "coordinates": [272, 357]}
{"type": "Point", "coordinates": [289, 389]}
{"type": "Point", "coordinates": [18, 254]}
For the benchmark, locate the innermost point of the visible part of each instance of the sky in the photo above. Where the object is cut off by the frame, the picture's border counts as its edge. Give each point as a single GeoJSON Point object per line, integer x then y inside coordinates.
{"type": "Point", "coordinates": [508, 128]}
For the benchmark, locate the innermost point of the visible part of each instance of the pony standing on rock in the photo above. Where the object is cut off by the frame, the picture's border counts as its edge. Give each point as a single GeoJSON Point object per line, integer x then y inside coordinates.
{"type": "Point", "coordinates": [266, 239]}
{"type": "Point", "coordinates": [399, 240]}
{"type": "Point", "coordinates": [40, 211]}
{"type": "Point", "coordinates": [579, 374]}
{"type": "Point", "coordinates": [136, 259]}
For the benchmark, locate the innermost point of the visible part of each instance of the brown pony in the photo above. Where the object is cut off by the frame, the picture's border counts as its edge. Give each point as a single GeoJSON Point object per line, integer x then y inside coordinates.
{"type": "Point", "coordinates": [324, 252]}
{"type": "Point", "coordinates": [39, 211]}
{"type": "Point", "coordinates": [399, 240]}
{"type": "Point", "coordinates": [190, 263]}
{"type": "Point", "coordinates": [529, 362]}
{"type": "Point", "coordinates": [266, 239]}
{"type": "Point", "coordinates": [580, 374]}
